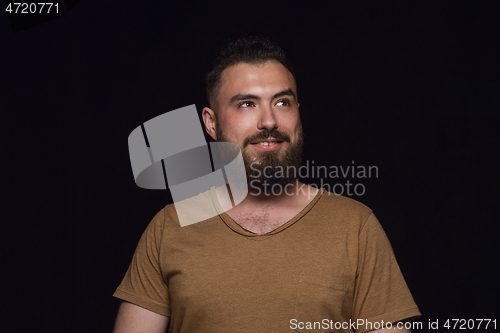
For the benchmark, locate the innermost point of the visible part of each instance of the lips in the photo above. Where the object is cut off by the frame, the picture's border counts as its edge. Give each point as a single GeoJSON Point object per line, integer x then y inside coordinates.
{"type": "Point", "coordinates": [267, 144]}
{"type": "Point", "coordinates": [267, 136]}
{"type": "Point", "coordinates": [267, 141]}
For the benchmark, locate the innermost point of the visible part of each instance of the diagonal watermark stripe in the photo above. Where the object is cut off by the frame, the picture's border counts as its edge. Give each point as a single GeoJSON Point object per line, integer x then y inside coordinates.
{"type": "Point", "coordinates": [170, 151]}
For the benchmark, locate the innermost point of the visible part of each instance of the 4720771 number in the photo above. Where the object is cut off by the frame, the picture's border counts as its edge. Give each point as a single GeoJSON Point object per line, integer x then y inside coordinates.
{"type": "Point", "coordinates": [32, 8]}
{"type": "Point", "coordinates": [470, 324]}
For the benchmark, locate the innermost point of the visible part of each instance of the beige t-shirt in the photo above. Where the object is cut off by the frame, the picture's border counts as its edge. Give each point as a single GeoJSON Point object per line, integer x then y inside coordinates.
{"type": "Point", "coordinates": [325, 270]}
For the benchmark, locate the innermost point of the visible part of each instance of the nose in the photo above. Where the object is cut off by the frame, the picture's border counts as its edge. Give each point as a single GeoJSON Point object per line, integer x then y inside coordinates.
{"type": "Point", "coordinates": [267, 119]}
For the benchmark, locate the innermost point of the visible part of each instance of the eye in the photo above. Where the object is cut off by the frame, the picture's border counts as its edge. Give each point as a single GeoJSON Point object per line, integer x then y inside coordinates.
{"type": "Point", "coordinates": [283, 102]}
{"type": "Point", "coordinates": [245, 104]}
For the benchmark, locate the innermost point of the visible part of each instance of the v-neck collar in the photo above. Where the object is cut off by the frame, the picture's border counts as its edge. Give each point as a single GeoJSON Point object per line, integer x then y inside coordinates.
{"type": "Point", "coordinates": [228, 220]}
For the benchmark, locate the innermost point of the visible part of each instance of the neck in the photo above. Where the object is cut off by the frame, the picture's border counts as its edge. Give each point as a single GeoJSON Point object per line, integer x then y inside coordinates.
{"type": "Point", "coordinates": [263, 213]}
{"type": "Point", "coordinates": [294, 193]}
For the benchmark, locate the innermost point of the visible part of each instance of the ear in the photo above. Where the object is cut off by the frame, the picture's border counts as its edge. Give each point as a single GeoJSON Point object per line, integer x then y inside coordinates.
{"type": "Point", "coordinates": [209, 120]}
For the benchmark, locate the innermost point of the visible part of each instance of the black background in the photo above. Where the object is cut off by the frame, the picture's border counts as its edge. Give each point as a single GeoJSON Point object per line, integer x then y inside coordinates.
{"type": "Point", "coordinates": [412, 88]}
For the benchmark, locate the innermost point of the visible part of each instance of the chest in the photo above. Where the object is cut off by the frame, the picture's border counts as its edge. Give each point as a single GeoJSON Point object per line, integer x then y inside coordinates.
{"type": "Point", "coordinates": [262, 220]}
{"type": "Point", "coordinates": [224, 280]}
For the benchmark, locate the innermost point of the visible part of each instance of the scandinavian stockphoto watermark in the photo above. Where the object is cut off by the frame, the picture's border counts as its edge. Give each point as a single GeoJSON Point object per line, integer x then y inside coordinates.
{"type": "Point", "coordinates": [340, 180]}
{"type": "Point", "coordinates": [353, 325]}
{"type": "Point", "coordinates": [431, 324]}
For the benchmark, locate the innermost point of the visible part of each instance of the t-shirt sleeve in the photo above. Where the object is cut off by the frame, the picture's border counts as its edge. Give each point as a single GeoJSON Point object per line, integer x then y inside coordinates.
{"type": "Point", "coordinates": [381, 293]}
{"type": "Point", "coordinates": [143, 284]}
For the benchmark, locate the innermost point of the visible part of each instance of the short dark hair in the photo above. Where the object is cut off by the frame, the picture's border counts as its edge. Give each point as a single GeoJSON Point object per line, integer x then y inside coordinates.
{"type": "Point", "coordinates": [249, 49]}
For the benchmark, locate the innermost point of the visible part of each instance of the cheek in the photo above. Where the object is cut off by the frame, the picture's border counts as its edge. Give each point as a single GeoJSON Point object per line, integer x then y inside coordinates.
{"type": "Point", "coordinates": [234, 129]}
{"type": "Point", "coordinates": [291, 124]}
{"type": "Point", "coordinates": [240, 123]}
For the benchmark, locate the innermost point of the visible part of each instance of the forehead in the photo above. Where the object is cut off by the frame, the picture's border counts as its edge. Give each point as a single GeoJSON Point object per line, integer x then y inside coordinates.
{"type": "Point", "coordinates": [256, 79]}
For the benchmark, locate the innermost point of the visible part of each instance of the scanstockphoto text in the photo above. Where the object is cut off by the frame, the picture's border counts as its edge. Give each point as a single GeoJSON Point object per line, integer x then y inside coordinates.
{"type": "Point", "coordinates": [339, 180]}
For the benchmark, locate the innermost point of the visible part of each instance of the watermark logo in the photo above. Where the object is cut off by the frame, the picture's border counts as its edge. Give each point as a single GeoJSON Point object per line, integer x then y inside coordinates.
{"type": "Point", "coordinates": [340, 180]}
{"type": "Point", "coordinates": [170, 151]}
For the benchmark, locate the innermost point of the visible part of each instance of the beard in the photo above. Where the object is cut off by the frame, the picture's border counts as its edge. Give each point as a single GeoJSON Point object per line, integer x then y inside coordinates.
{"type": "Point", "coordinates": [267, 168]}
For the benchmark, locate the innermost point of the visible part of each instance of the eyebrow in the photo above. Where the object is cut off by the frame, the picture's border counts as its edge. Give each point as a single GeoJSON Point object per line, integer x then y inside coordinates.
{"type": "Point", "coordinates": [241, 97]}
{"type": "Point", "coordinates": [287, 92]}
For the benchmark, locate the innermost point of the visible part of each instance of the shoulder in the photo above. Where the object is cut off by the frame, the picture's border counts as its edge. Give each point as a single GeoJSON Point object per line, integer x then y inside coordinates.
{"type": "Point", "coordinates": [169, 216]}
{"type": "Point", "coordinates": [343, 205]}
{"type": "Point", "coordinates": [189, 211]}
{"type": "Point", "coordinates": [337, 212]}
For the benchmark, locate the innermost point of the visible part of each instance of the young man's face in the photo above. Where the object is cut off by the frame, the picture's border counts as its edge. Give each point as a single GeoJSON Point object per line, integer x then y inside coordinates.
{"type": "Point", "coordinates": [258, 110]}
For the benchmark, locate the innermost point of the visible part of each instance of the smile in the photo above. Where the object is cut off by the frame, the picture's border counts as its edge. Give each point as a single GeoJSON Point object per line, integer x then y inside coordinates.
{"type": "Point", "coordinates": [267, 145]}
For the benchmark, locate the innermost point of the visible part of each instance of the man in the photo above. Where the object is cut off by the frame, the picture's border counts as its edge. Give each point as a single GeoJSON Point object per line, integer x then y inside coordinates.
{"type": "Point", "coordinates": [295, 260]}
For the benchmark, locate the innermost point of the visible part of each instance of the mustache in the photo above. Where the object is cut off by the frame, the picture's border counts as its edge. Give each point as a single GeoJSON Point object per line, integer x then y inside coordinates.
{"type": "Point", "coordinates": [266, 134]}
